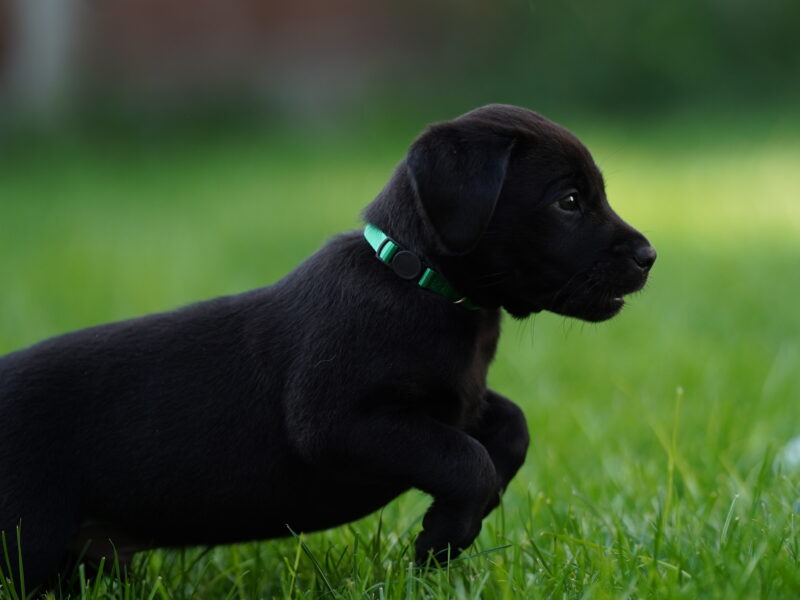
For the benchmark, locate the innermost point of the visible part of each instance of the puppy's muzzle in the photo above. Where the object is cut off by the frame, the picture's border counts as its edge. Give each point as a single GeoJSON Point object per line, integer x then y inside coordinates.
{"type": "Point", "coordinates": [642, 254]}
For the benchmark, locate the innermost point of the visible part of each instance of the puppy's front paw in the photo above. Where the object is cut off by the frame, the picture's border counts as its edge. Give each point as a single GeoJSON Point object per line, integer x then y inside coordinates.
{"type": "Point", "coordinates": [446, 533]}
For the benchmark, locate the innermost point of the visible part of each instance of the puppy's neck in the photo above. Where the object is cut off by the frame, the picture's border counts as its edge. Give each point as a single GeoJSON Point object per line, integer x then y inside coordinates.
{"type": "Point", "coordinates": [396, 212]}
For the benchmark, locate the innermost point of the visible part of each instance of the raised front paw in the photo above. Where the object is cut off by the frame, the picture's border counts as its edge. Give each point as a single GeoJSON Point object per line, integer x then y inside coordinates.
{"type": "Point", "coordinates": [447, 531]}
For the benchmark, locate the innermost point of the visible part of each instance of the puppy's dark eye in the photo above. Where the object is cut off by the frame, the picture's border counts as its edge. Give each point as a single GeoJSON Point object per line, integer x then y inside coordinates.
{"type": "Point", "coordinates": [568, 203]}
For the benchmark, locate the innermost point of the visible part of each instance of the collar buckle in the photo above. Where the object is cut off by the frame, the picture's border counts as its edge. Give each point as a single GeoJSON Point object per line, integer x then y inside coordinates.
{"type": "Point", "coordinates": [407, 265]}
{"type": "Point", "coordinates": [404, 263]}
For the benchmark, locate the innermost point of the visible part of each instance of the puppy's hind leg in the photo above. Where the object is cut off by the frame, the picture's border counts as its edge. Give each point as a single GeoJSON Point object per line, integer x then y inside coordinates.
{"type": "Point", "coordinates": [40, 536]}
{"type": "Point", "coordinates": [504, 433]}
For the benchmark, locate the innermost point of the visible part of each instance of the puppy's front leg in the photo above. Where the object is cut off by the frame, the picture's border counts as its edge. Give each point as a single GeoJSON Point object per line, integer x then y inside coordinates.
{"type": "Point", "coordinates": [503, 431]}
{"type": "Point", "coordinates": [438, 459]}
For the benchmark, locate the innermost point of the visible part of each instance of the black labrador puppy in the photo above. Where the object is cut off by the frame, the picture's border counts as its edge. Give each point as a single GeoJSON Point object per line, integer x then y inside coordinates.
{"type": "Point", "coordinates": [315, 401]}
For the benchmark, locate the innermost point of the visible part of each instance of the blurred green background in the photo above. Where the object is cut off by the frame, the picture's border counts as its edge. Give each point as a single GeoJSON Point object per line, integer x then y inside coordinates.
{"type": "Point", "coordinates": [155, 154]}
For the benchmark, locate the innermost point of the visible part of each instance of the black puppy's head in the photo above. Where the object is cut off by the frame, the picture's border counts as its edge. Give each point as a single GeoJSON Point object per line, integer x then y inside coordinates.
{"type": "Point", "coordinates": [512, 209]}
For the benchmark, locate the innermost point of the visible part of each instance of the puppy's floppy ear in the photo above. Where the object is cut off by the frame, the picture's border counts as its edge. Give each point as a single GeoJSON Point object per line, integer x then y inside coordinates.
{"type": "Point", "coordinates": [458, 173]}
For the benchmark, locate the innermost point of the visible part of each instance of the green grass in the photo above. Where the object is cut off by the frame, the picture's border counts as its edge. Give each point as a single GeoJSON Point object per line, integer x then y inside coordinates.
{"type": "Point", "coordinates": [656, 466]}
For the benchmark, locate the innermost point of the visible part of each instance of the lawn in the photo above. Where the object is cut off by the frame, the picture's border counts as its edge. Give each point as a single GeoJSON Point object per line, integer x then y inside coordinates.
{"type": "Point", "coordinates": [657, 466]}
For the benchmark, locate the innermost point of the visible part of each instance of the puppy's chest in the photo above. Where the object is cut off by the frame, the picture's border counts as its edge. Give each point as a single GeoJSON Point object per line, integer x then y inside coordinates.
{"type": "Point", "coordinates": [469, 387]}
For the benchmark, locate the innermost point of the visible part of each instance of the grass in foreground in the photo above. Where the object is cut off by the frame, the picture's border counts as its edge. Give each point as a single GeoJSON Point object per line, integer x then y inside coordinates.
{"type": "Point", "coordinates": [657, 466]}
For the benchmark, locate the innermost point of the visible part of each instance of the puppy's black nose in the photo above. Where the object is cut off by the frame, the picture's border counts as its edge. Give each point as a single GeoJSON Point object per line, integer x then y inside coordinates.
{"type": "Point", "coordinates": [644, 256]}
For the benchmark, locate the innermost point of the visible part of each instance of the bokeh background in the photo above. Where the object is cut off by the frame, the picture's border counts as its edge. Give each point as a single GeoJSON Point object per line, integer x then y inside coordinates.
{"type": "Point", "coordinates": [158, 152]}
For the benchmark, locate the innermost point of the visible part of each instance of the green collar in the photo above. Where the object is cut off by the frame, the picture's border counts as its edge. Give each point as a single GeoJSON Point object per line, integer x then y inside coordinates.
{"type": "Point", "coordinates": [407, 265]}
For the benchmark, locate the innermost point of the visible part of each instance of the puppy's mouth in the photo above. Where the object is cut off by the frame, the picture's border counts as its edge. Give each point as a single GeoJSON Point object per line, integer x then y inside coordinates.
{"type": "Point", "coordinates": [588, 307]}
{"type": "Point", "coordinates": [595, 296]}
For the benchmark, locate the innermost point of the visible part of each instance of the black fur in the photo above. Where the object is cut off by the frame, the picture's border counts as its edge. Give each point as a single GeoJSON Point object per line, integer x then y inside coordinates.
{"type": "Point", "coordinates": [318, 399]}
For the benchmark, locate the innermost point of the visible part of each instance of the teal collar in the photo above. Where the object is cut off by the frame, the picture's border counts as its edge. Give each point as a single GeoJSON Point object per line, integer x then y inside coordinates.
{"type": "Point", "coordinates": [407, 265]}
